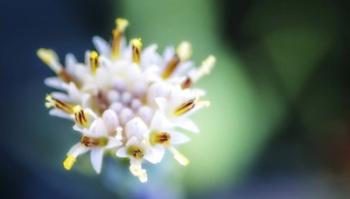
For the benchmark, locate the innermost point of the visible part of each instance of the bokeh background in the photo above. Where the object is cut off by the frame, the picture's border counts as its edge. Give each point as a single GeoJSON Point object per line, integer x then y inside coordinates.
{"type": "Point", "coordinates": [278, 127]}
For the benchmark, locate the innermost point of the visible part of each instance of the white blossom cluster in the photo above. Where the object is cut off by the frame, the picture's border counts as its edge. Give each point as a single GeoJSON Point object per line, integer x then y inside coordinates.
{"type": "Point", "coordinates": [126, 100]}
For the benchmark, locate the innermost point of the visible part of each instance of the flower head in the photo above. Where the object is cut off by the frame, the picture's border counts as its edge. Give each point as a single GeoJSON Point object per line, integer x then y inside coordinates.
{"type": "Point", "coordinates": [127, 99]}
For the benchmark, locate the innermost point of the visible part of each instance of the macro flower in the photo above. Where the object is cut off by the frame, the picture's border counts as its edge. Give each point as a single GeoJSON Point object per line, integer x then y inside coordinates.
{"type": "Point", "coordinates": [132, 101]}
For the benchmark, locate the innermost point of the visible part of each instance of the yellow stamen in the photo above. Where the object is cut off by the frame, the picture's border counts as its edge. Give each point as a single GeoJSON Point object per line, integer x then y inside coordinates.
{"type": "Point", "coordinates": [205, 68]}
{"type": "Point", "coordinates": [94, 141]}
{"type": "Point", "coordinates": [93, 57]}
{"type": "Point", "coordinates": [118, 32]}
{"type": "Point", "coordinates": [69, 162]}
{"type": "Point", "coordinates": [185, 107]}
{"type": "Point", "coordinates": [184, 51]}
{"type": "Point", "coordinates": [136, 50]}
{"type": "Point", "coordinates": [49, 57]}
{"type": "Point", "coordinates": [183, 160]}
{"type": "Point", "coordinates": [170, 68]}
{"type": "Point", "coordinates": [81, 118]}
{"type": "Point", "coordinates": [160, 138]}
{"type": "Point", "coordinates": [136, 151]}
{"type": "Point", "coordinates": [66, 107]}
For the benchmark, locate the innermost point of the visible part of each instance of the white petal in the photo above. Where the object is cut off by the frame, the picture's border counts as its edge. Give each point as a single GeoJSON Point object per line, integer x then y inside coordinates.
{"type": "Point", "coordinates": [169, 53]}
{"type": "Point", "coordinates": [150, 56]}
{"type": "Point", "coordinates": [179, 156]}
{"type": "Point", "coordinates": [123, 44]}
{"type": "Point", "coordinates": [96, 158]}
{"type": "Point", "coordinates": [122, 153]}
{"type": "Point", "coordinates": [101, 45]}
{"type": "Point", "coordinates": [158, 90]}
{"type": "Point", "coordinates": [74, 92]}
{"type": "Point", "coordinates": [160, 122]}
{"type": "Point", "coordinates": [155, 155]}
{"type": "Point", "coordinates": [145, 114]}
{"type": "Point", "coordinates": [77, 149]}
{"type": "Point", "coordinates": [61, 96]}
{"type": "Point", "coordinates": [113, 142]}
{"type": "Point", "coordinates": [183, 68]}
{"type": "Point", "coordinates": [126, 114]}
{"type": "Point", "coordinates": [55, 82]}
{"type": "Point", "coordinates": [178, 138]}
{"type": "Point", "coordinates": [98, 128]}
{"type": "Point", "coordinates": [133, 141]}
{"type": "Point", "coordinates": [162, 103]}
{"type": "Point", "coordinates": [87, 57]}
{"type": "Point", "coordinates": [82, 72]}
{"type": "Point", "coordinates": [110, 120]}
{"type": "Point", "coordinates": [85, 100]}
{"type": "Point", "coordinates": [60, 113]}
{"type": "Point", "coordinates": [136, 170]}
{"type": "Point", "coordinates": [136, 127]}
{"type": "Point", "coordinates": [178, 96]}
{"type": "Point", "coordinates": [187, 124]}
{"type": "Point", "coordinates": [70, 62]}
{"type": "Point", "coordinates": [105, 62]}
{"type": "Point", "coordinates": [84, 131]}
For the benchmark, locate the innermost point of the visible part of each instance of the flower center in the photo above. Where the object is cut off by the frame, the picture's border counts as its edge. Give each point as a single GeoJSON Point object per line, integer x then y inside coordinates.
{"type": "Point", "coordinates": [160, 138]}
{"type": "Point", "coordinates": [135, 151]}
{"type": "Point", "coordinates": [94, 141]}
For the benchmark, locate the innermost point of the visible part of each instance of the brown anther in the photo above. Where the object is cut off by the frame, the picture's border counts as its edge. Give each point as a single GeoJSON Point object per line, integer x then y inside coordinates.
{"type": "Point", "coordinates": [136, 50]}
{"type": "Point", "coordinates": [170, 68]}
{"type": "Point", "coordinates": [65, 76]}
{"type": "Point", "coordinates": [185, 107]}
{"type": "Point", "coordinates": [66, 107]}
{"type": "Point", "coordinates": [186, 83]}
{"type": "Point", "coordinates": [161, 138]}
{"type": "Point", "coordinates": [135, 151]}
{"type": "Point", "coordinates": [93, 142]}
{"type": "Point", "coordinates": [81, 118]}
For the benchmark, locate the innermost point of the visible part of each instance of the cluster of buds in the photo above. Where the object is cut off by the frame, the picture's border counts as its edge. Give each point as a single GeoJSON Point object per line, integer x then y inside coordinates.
{"type": "Point", "coordinates": [126, 100]}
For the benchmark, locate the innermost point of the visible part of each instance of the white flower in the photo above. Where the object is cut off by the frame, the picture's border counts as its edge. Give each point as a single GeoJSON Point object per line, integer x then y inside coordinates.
{"type": "Point", "coordinates": [137, 148]}
{"type": "Point", "coordinates": [162, 136]}
{"type": "Point", "coordinates": [100, 136]}
{"type": "Point", "coordinates": [179, 104]}
{"type": "Point", "coordinates": [126, 99]}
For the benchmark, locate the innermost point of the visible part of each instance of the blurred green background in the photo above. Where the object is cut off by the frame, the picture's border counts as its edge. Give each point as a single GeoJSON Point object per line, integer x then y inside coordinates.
{"type": "Point", "coordinates": [278, 124]}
